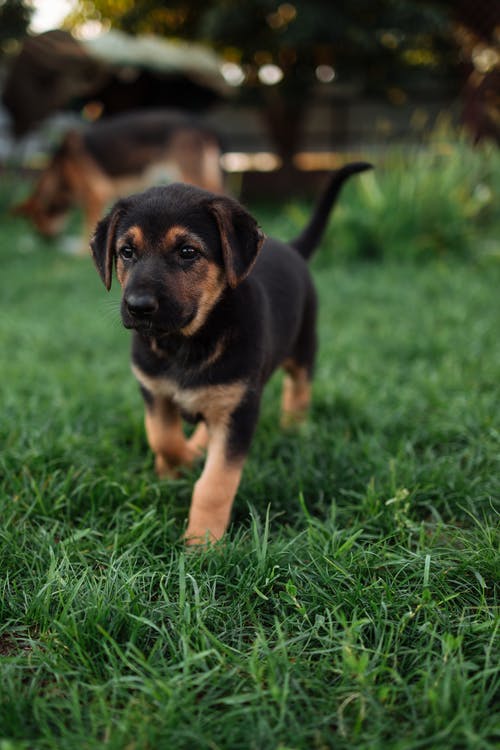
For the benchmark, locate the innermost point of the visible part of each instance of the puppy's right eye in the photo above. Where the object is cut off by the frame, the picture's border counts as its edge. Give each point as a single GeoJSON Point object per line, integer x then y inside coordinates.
{"type": "Point", "coordinates": [126, 253]}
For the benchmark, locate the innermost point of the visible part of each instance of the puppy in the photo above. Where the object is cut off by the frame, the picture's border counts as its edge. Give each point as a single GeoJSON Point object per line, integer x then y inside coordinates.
{"type": "Point", "coordinates": [116, 156]}
{"type": "Point", "coordinates": [214, 308]}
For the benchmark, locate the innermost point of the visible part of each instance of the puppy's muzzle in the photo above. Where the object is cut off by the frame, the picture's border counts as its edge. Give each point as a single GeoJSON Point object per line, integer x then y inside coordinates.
{"type": "Point", "coordinates": [141, 306]}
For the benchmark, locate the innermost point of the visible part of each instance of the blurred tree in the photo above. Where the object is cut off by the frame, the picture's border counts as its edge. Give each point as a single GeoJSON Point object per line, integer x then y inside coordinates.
{"type": "Point", "coordinates": [15, 16]}
{"type": "Point", "coordinates": [477, 32]}
{"type": "Point", "coordinates": [386, 47]}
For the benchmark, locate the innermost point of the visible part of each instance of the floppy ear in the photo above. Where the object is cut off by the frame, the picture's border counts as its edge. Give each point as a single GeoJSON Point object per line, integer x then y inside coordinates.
{"type": "Point", "coordinates": [240, 236]}
{"type": "Point", "coordinates": [102, 245]}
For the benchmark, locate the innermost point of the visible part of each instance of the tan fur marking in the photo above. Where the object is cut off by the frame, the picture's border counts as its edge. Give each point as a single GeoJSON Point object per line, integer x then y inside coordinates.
{"type": "Point", "coordinates": [215, 402]}
{"type": "Point", "coordinates": [214, 492]}
{"type": "Point", "coordinates": [210, 291]}
{"type": "Point", "coordinates": [156, 349]}
{"type": "Point", "coordinates": [121, 273]}
{"type": "Point", "coordinates": [187, 236]}
{"type": "Point", "coordinates": [135, 235]}
{"type": "Point", "coordinates": [174, 233]}
{"type": "Point", "coordinates": [217, 353]}
{"type": "Point", "coordinates": [296, 394]}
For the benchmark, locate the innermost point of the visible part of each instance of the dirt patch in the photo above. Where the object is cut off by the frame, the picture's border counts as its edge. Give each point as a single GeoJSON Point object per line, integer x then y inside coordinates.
{"type": "Point", "coordinates": [11, 644]}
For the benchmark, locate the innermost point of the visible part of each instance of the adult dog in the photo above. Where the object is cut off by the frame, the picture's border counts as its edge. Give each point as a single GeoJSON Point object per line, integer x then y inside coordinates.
{"type": "Point", "coordinates": [119, 155]}
{"type": "Point", "coordinates": [215, 308]}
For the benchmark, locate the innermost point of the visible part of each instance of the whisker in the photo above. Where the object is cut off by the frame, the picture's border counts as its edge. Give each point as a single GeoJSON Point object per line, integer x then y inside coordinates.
{"type": "Point", "coordinates": [111, 303]}
{"type": "Point", "coordinates": [110, 312]}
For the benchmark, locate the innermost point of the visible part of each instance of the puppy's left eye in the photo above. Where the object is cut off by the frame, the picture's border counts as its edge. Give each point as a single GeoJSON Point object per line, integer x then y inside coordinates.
{"type": "Point", "coordinates": [188, 253]}
{"type": "Point", "coordinates": [126, 253]}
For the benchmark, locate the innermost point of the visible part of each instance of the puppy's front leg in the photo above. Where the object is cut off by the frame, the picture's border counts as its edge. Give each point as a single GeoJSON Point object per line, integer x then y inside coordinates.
{"type": "Point", "coordinates": [199, 439]}
{"type": "Point", "coordinates": [215, 490]}
{"type": "Point", "coordinates": [166, 437]}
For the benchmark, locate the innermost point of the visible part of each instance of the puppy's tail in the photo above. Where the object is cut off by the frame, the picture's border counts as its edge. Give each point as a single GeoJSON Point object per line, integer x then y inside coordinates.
{"type": "Point", "coordinates": [309, 238]}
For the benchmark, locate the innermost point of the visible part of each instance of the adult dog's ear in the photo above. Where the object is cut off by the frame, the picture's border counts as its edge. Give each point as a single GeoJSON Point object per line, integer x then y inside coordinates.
{"type": "Point", "coordinates": [241, 238]}
{"type": "Point", "coordinates": [102, 245]}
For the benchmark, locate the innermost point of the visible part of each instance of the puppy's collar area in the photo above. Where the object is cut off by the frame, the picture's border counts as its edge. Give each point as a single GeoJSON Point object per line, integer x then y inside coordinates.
{"type": "Point", "coordinates": [194, 355]}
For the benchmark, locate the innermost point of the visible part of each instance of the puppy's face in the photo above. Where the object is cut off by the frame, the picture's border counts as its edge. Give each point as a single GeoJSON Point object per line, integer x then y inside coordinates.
{"type": "Point", "coordinates": [176, 249]}
{"type": "Point", "coordinates": [171, 274]}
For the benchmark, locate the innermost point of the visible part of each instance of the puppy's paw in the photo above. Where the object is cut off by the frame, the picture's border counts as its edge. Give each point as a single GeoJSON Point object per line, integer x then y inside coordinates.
{"type": "Point", "coordinates": [170, 467]}
{"type": "Point", "coordinates": [204, 532]}
{"type": "Point", "coordinates": [164, 469]}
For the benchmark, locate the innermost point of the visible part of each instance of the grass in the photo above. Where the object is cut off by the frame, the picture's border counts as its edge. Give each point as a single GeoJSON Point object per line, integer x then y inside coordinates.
{"type": "Point", "coordinates": [353, 603]}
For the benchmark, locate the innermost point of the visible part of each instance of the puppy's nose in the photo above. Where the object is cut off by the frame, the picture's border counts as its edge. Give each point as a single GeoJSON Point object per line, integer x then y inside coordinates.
{"type": "Point", "coordinates": [141, 305]}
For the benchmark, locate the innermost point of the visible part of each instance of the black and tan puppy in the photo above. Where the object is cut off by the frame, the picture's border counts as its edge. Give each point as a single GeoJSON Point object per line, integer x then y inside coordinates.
{"type": "Point", "coordinates": [214, 308]}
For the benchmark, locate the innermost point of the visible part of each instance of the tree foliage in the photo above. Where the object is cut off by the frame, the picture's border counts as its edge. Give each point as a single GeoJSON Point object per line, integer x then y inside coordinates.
{"type": "Point", "coordinates": [379, 44]}
{"type": "Point", "coordinates": [15, 16]}
{"type": "Point", "coordinates": [392, 48]}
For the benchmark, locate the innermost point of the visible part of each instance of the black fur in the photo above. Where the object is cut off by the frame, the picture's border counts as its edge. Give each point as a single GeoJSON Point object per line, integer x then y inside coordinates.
{"type": "Point", "coordinates": [308, 240]}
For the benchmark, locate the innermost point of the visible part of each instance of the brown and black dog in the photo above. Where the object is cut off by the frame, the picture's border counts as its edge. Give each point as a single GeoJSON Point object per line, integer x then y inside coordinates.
{"type": "Point", "coordinates": [214, 308]}
{"type": "Point", "coordinates": [119, 155]}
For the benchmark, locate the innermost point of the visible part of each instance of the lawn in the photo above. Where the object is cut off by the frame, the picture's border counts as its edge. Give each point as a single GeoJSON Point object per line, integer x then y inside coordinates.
{"type": "Point", "coordinates": [352, 604]}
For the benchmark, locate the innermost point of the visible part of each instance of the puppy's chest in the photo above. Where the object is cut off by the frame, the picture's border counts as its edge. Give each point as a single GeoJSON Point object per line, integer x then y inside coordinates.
{"type": "Point", "coordinates": [214, 403]}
